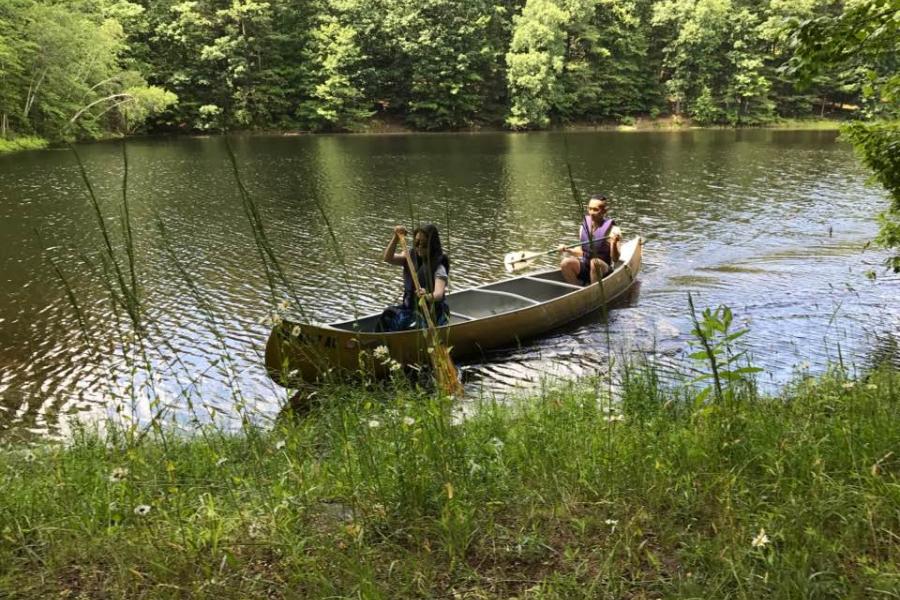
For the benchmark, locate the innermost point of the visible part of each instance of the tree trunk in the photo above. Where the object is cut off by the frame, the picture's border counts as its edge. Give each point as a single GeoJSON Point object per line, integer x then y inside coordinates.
{"type": "Point", "coordinates": [3, 126]}
{"type": "Point", "coordinates": [822, 112]}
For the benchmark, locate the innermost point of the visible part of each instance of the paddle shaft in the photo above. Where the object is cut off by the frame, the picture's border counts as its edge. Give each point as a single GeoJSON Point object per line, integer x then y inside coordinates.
{"type": "Point", "coordinates": [569, 247]}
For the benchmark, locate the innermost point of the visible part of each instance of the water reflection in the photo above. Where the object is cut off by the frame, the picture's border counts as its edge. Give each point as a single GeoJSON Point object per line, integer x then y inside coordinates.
{"type": "Point", "coordinates": [772, 223]}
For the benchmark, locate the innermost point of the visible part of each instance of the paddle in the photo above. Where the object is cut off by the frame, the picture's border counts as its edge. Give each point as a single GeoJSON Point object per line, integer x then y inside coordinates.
{"type": "Point", "coordinates": [516, 261]}
{"type": "Point", "coordinates": [444, 369]}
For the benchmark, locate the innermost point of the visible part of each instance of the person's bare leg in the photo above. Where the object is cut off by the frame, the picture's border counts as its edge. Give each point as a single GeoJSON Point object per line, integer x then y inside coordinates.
{"type": "Point", "coordinates": [599, 269]}
{"type": "Point", "coordinates": [570, 268]}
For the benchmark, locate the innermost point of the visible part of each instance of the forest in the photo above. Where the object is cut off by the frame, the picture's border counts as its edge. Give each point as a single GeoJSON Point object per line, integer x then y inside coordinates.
{"type": "Point", "coordinates": [87, 69]}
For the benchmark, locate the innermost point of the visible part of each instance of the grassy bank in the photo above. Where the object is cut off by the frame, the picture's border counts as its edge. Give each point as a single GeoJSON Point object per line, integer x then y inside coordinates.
{"type": "Point", "coordinates": [380, 494]}
{"type": "Point", "coordinates": [22, 143]}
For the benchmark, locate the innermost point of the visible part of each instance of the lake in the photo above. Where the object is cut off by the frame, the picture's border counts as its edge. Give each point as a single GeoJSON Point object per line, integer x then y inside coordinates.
{"type": "Point", "coordinates": [774, 224]}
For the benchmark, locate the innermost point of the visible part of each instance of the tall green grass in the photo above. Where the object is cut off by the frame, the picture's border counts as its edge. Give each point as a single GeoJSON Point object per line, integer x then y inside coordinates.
{"type": "Point", "coordinates": [387, 493]}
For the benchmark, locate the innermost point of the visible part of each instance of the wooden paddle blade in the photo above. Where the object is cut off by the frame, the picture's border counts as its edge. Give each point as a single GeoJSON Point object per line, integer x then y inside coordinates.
{"type": "Point", "coordinates": [445, 372]}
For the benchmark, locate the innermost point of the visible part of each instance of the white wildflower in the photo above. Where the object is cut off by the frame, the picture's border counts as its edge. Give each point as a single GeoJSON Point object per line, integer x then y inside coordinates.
{"type": "Point", "coordinates": [29, 456]}
{"type": "Point", "coordinates": [760, 540]}
{"type": "Point", "coordinates": [849, 385]}
{"type": "Point", "coordinates": [409, 421]}
{"type": "Point", "coordinates": [373, 424]}
{"type": "Point", "coordinates": [142, 510]}
{"type": "Point", "coordinates": [256, 529]}
{"type": "Point", "coordinates": [296, 331]}
{"type": "Point", "coordinates": [118, 474]}
{"type": "Point", "coordinates": [395, 366]}
{"type": "Point", "coordinates": [279, 444]}
{"type": "Point", "coordinates": [612, 522]}
{"type": "Point", "coordinates": [872, 386]}
{"type": "Point", "coordinates": [284, 305]}
{"type": "Point", "coordinates": [221, 461]}
{"type": "Point", "coordinates": [614, 418]}
{"type": "Point", "coordinates": [276, 320]}
{"type": "Point", "coordinates": [381, 352]}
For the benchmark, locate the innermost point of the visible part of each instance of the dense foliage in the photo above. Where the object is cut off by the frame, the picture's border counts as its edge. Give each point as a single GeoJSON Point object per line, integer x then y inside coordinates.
{"type": "Point", "coordinates": [862, 44]}
{"type": "Point", "coordinates": [65, 70]}
{"type": "Point", "coordinates": [432, 64]}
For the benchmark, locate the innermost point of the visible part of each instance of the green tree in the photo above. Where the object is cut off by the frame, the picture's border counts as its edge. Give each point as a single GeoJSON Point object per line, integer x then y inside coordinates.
{"type": "Point", "coordinates": [12, 48]}
{"type": "Point", "coordinates": [535, 61]}
{"type": "Point", "coordinates": [67, 76]}
{"type": "Point", "coordinates": [450, 53]}
{"type": "Point", "coordinates": [697, 33]}
{"type": "Point", "coordinates": [863, 38]}
{"type": "Point", "coordinates": [607, 70]}
{"type": "Point", "coordinates": [773, 34]}
{"type": "Point", "coordinates": [337, 99]}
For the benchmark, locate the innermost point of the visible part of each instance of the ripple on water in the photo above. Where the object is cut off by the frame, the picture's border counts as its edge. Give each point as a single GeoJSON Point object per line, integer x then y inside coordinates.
{"type": "Point", "coordinates": [744, 220]}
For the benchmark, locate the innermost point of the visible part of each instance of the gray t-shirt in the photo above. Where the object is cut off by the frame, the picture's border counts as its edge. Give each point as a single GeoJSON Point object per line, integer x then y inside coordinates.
{"type": "Point", "coordinates": [441, 273]}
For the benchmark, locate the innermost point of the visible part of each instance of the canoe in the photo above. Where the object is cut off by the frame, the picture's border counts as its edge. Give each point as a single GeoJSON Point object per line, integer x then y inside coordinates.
{"type": "Point", "coordinates": [484, 317]}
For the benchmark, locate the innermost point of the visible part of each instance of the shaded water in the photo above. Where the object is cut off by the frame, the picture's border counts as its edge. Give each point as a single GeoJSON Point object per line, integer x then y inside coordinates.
{"type": "Point", "coordinates": [771, 223]}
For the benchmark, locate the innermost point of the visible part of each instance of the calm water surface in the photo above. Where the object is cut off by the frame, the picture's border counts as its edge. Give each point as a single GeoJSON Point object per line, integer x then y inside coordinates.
{"type": "Point", "coordinates": [772, 223]}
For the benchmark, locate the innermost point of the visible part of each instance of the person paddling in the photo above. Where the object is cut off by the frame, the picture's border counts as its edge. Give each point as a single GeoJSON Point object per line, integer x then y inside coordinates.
{"type": "Point", "coordinates": [599, 248]}
{"type": "Point", "coordinates": [433, 270]}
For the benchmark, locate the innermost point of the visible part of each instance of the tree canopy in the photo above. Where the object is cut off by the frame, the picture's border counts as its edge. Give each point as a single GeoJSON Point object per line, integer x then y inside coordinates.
{"type": "Point", "coordinates": [119, 66]}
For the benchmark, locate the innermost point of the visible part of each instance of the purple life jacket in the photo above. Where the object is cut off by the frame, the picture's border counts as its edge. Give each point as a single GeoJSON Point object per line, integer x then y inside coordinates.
{"type": "Point", "coordinates": [598, 247]}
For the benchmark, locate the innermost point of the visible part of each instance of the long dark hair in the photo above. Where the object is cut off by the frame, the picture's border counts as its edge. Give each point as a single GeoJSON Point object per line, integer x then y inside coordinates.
{"type": "Point", "coordinates": [435, 250]}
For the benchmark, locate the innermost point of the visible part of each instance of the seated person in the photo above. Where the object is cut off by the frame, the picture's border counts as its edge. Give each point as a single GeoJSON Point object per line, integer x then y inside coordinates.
{"type": "Point", "coordinates": [433, 271]}
{"type": "Point", "coordinates": [599, 248]}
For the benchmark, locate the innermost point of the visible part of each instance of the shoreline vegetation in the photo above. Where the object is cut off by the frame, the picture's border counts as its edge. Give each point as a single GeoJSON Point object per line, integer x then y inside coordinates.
{"type": "Point", "coordinates": [88, 70]}
{"type": "Point", "coordinates": [22, 143]}
{"type": "Point", "coordinates": [393, 126]}
{"type": "Point", "coordinates": [642, 489]}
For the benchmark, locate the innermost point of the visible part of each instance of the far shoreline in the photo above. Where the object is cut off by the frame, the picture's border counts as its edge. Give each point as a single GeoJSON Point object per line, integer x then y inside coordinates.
{"type": "Point", "coordinates": [396, 127]}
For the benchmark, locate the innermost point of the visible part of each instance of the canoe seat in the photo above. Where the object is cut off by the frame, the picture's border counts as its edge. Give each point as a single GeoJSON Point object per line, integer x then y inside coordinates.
{"type": "Point", "coordinates": [534, 288]}
{"type": "Point", "coordinates": [564, 284]}
{"type": "Point", "coordinates": [482, 302]}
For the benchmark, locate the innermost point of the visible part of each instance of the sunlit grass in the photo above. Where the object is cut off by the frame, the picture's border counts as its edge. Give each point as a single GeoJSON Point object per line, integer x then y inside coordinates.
{"type": "Point", "coordinates": [22, 143]}
{"type": "Point", "coordinates": [389, 494]}
{"type": "Point", "coordinates": [808, 123]}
